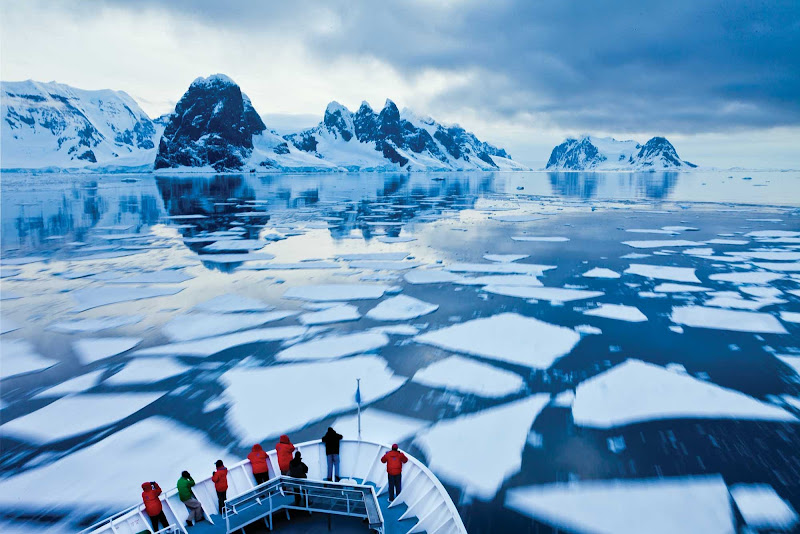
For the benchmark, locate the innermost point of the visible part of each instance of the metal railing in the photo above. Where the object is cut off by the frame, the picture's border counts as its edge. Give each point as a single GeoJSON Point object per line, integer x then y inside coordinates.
{"type": "Point", "coordinates": [287, 493]}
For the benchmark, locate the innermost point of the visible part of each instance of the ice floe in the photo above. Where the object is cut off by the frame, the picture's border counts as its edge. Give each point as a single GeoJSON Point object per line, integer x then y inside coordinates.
{"type": "Point", "coordinates": [148, 371]}
{"type": "Point", "coordinates": [552, 294]}
{"type": "Point", "coordinates": [199, 325]}
{"type": "Point", "coordinates": [334, 384]}
{"type": "Point", "coordinates": [724, 319]}
{"type": "Point", "coordinates": [7, 325]}
{"type": "Point", "coordinates": [336, 292]}
{"type": "Point", "coordinates": [785, 267]}
{"type": "Point", "coordinates": [232, 303]}
{"type": "Point", "coordinates": [635, 391]}
{"type": "Point", "coordinates": [507, 337]}
{"type": "Point", "coordinates": [517, 217]}
{"type": "Point", "coordinates": [379, 426]}
{"type": "Point", "coordinates": [401, 308]}
{"type": "Point", "coordinates": [762, 508]}
{"type": "Point", "coordinates": [588, 329]}
{"type": "Point", "coordinates": [500, 268]}
{"type": "Point", "coordinates": [691, 505]}
{"type": "Point", "coordinates": [662, 243]}
{"type": "Point", "coordinates": [235, 258]}
{"type": "Point", "coordinates": [758, 278]}
{"type": "Point", "coordinates": [452, 444]}
{"type": "Point", "coordinates": [680, 288]}
{"type": "Point", "coordinates": [94, 324]}
{"type": "Point", "coordinates": [399, 239]}
{"type": "Point", "coordinates": [157, 277]}
{"type": "Point", "coordinates": [662, 272]}
{"type": "Point", "coordinates": [502, 280]}
{"type": "Point", "coordinates": [79, 384]}
{"type": "Point", "coordinates": [234, 245]}
{"type": "Point", "coordinates": [73, 481]}
{"type": "Point", "coordinates": [297, 266]}
{"type": "Point", "coordinates": [790, 317]}
{"type": "Point", "coordinates": [59, 420]}
{"type": "Point", "coordinates": [601, 272]}
{"type": "Point", "coordinates": [469, 376]}
{"type": "Point", "coordinates": [398, 329]}
{"type": "Point", "coordinates": [791, 361]}
{"type": "Point", "coordinates": [19, 357]}
{"type": "Point", "coordinates": [618, 311]}
{"type": "Point", "coordinates": [212, 345]}
{"type": "Point", "coordinates": [334, 346]}
{"type": "Point", "coordinates": [772, 233]}
{"type": "Point", "coordinates": [739, 303]}
{"type": "Point", "coordinates": [334, 314]}
{"type": "Point", "coordinates": [94, 297]}
{"type": "Point", "coordinates": [374, 256]}
{"type": "Point", "coordinates": [504, 258]}
{"type": "Point", "coordinates": [542, 239]}
{"type": "Point", "coordinates": [432, 276]}
{"type": "Point", "coordinates": [91, 350]}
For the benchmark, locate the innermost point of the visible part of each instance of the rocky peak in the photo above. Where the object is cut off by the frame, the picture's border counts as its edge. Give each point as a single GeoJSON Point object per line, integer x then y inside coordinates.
{"type": "Point", "coordinates": [339, 121]}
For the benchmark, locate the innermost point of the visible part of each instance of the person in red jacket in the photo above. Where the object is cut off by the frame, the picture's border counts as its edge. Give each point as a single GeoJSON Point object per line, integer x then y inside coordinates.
{"type": "Point", "coordinates": [220, 480]}
{"type": "Point", "coordinates": [285, 450]}
{"type": "Point", "coordinates": [394, 460]}
{"type": "Point", "coordinates": [258, 462]}
{"type": "Point", "coordinates": [152, 504]}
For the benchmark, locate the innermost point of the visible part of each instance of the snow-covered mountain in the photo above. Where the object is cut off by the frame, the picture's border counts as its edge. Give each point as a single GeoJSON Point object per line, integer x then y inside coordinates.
{"type": "Point", "coordinates": [606, 153]}
{"type": "Point", "coordinates": [391, 140]}
{"type": "Point", "coordinates": [52, 125]}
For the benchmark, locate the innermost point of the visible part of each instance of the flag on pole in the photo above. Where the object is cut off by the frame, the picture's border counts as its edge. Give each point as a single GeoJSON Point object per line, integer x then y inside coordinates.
{"type": "Point", "coordinates": [358, 401]}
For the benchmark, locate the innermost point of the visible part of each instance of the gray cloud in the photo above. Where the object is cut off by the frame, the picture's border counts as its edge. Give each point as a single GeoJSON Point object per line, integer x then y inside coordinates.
{"type": "Point", "coordinates": [678, 66]}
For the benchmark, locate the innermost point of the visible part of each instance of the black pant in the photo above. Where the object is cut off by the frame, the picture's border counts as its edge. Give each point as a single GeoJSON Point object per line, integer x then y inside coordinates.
{"type": "Point", "coordinates": [221, 496]}
{"type": "Point", "coordinates": [261, 478]}
{"type": "Point", "coordinates": [155, 519]}
{"type": "Point", "coordinates": [395, 482]}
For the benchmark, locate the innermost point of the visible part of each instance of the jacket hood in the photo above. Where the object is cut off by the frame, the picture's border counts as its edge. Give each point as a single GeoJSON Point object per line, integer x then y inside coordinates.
{"type": "Point", "coordinates": [284, 439]}
{"type": "Point", "coordinates": [145, 486]}
{"type": "Point", "coordinates": [330, 432]}
{"type": "Point", "coordinates": [257, 448]}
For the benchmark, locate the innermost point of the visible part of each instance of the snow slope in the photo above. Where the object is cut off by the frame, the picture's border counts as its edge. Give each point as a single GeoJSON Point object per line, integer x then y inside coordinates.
{"type": "Point", "coordinates": [606, 153]}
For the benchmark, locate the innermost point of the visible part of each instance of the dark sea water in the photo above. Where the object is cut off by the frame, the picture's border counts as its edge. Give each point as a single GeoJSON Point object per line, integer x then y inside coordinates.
{"type": "Point", "coordinates": [62, 222]}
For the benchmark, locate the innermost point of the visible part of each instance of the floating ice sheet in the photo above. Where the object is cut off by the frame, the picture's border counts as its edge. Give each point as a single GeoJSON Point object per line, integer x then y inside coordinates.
{"type": "Point", "coordinates": [635, 391]}
{"type": "Point", "coordinates": [400, 239]}
{"type": "Point", "coordinates": [662, 243]}
{"type": "Point", "coordinates": [7, 325]}
{"type": "Point", "coordinates": [235, 258]}
{"type": "Point", "coordinates": [662, 272]}
{"type": "Point", "coordinates": [500, 268]}
{"type": "Point", "coordinates": [680, 288]}
{"type": "Point", "coordinates": [334, 346]}
{"type": "Point", "coordinates": [773, 233]}
{"type": "Point", "coordinates": [790, 317]}
{"type": "Point", "coordinates": [73, 481]}
{"type": "Point", "coordinates": [233, 303]}
{"type": "Point", "coordinates": [758, 278]}
{"type": "Point", "coordinates": [94, 349]}
{"type": "Point", "coordinates": [517, 217]}
{"type": "Point", "coordinates": [297, 266]}
{"type": "Point", "coordinates": [469, 376]}
{"type": "Point", "coordinates": [79, 384]}
{"type": "Point", "coordinates": [384, 265]}
{"type": "Point", "coordinates": [336, 292]}
{"type": "Point", "coordinates": [334, 314]}
{"type": "Point", "coordinates": [762, 508]}
{"type": "Point", "coordinates": [93, 297]}
{"type": "Point", "coordinates": [692, 505]}
{"type": "Point", "coordinates": [507, 337]}
{"type": "Point", "coordinates": [200, 325]}
{"type": "Point", "coordinates": [94, 324]}
{"type": "Point", "coordinates": [601, 272]}
{"type": "Point", "coordinates": [419, 276]}
{"type": "Point", "coordinates": [147, 371]}
{"type": "Point", "coordinates": [231, 245]}
{"type": "Point", "coordinates": [618, 311]}
{"type": "Point", "coordinates": [334, 384]}
{"type": "Point", "coordinates": [722, 319]}
{"type": "Point", "coordinates": [786, 267]}
{"type": "Point", "coordinates": [213, 345]}
{"type": "Point", "coordinates": [504, 258]}
{"type": "Point", "coordinates": [497, 436]}
{"type": "Point", "coordinates": [542, 239]}
{"type": "Point", "coordinates": [59, 420]}
{"type": "Point", "coordinates": [552, 294]}
{"type": "Point", "coordinates": [502, 280]}
{"type": "Point", "coordinates": [19, 357]}
{"type": "Point", "coordinates": [374, 256]}
{"type": "Point", "coordinates": [157, 277]}
{"type": "Point", "coordinates": [379, 426]}
{"type": "Point", "coordinates": [401, 308]}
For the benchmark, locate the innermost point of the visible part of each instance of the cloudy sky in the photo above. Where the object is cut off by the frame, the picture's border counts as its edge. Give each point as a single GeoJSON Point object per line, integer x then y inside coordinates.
{"type": "Point", "coordinates": [720, 79]}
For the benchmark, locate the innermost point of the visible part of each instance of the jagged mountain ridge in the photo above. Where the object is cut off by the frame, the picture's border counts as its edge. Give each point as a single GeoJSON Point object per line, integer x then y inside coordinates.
{"type": "Point", "coordinates": [606, 153]}
{"type": "Point", "coordinates": [390, 138]}
{"type": "Point", "coordinates": [52, 125]}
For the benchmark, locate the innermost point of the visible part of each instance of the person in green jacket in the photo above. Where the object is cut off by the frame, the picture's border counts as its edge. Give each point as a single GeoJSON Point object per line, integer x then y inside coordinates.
{"type": "Point", "coordinates": [185, 484]}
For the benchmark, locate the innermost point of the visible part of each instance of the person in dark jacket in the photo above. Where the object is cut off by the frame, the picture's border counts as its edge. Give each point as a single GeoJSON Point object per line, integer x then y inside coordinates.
{"type": "Point", "coordinates": [331, 440]}
{"type": "Point", "coordinates": [394, 460]}
{"type": "Point", "coordinates": [284, 448]}
{"type": "Point", "coordinates": [258, 462]}
{"type": "Point", "coordinates": [220, 480]}
{"type": "Point", "coordinates": [298, 469]}
{"type": "Point", "coordinates": [193, 506]}
{"type": "Point", "coordinates": [152, 504]}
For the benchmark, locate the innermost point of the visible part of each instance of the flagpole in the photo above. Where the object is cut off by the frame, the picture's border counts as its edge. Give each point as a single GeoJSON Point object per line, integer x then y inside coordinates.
{"type": "Point", "coordinates": [358, 389]}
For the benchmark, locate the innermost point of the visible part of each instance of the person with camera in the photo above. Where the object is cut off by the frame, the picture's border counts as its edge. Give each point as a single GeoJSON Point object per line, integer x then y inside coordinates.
{"type": "Point", "coordinates": [152, 504]}
{"type": "Point", "coordinates": [185, 484]}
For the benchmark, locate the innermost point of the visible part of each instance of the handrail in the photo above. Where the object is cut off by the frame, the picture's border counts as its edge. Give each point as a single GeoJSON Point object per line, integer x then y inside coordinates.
{"type": "Point", "coordinates": [243, 467]}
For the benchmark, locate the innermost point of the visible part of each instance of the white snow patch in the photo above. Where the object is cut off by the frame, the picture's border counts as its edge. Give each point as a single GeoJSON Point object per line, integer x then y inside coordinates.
{"type": "Point", "coordinates": [470, 377]}
{"type": "Point", "coordinates": [507, 337]}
